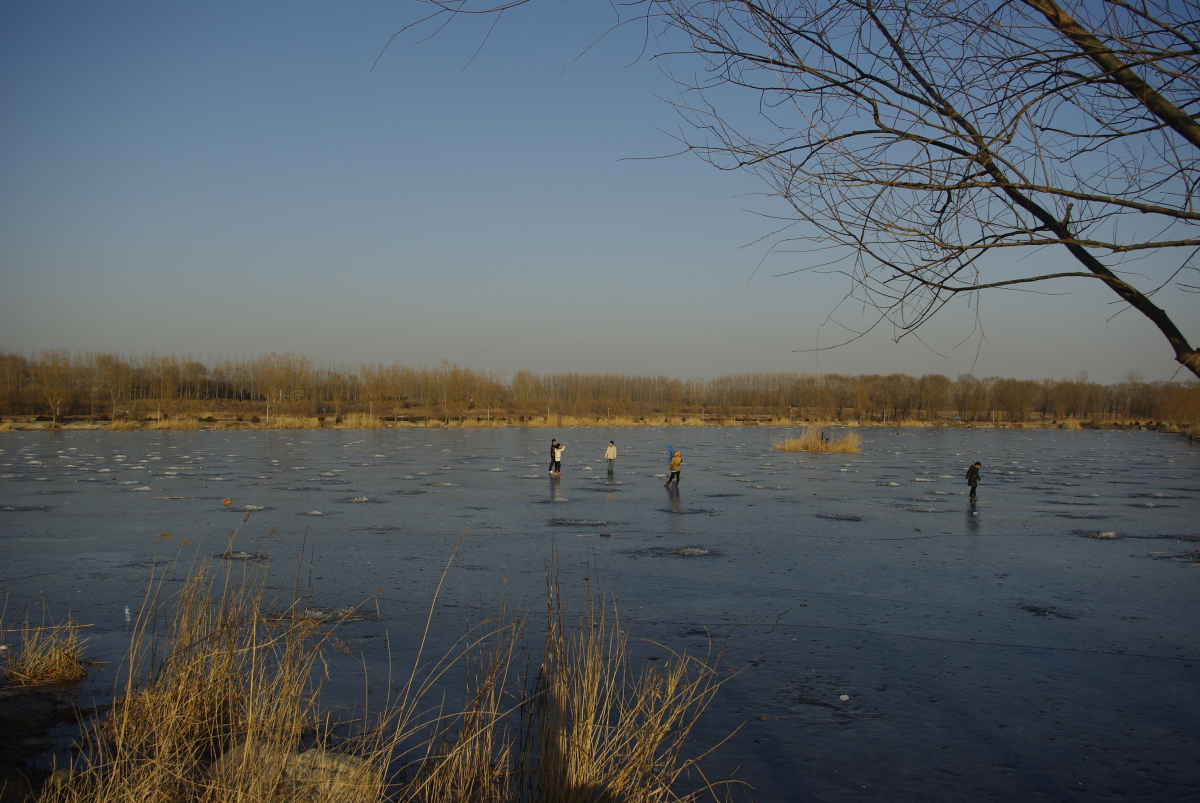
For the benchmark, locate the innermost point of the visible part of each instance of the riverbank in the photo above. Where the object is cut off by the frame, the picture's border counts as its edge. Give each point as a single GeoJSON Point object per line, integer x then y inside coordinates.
{"type": "Point", "coordinates": [362, 421]}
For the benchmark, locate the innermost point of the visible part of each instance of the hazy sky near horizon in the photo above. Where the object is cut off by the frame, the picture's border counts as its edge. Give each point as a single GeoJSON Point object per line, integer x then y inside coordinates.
{"type": "Point", "coordinates": [229, 179]}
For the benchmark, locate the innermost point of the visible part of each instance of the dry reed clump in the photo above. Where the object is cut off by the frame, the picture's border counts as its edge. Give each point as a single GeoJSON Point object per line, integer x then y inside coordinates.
{"type": "Point", "coordinates": [174, 423]}
{"type": "Point", "coordinates": [814, 440]}
{"type": "Point", "coordinates": [122, 425]}
{"type": "Point", "coordinates": [591, 726]}
{"type": "Point", "coordinates": [360, 421]}
{"type": "Point", "coordinates": [291, 422]}
{"type": "Point", "coordinates": [215, 699]}
{"type": "Point", "coordinates": [48, 654]}
{"type": "Point", "coordinates": [221, 702]}
{"type": "Point", "coordinates": [1070, 423]}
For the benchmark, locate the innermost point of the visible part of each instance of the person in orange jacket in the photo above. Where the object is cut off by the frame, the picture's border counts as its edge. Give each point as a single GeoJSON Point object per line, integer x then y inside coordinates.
{"type": "Point", "coordinates": [676, 462]}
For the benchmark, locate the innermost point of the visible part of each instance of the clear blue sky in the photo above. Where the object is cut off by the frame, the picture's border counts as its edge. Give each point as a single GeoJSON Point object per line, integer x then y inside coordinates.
{"type": "Point", "coordinates": [227, 179]}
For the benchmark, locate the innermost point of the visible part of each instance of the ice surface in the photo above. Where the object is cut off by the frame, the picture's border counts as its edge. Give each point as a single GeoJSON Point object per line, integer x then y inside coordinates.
{"type": "Point", "coordinates": [897, 642]}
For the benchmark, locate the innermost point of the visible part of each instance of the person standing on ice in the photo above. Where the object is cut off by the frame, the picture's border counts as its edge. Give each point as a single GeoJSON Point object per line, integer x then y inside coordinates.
{"type": "Point", "coordinates": [973, 477]}
{"type": "Point", "coordinates": [610, 454]}
{"type": "Point", "coordinates": [553, 452]}
{"type": "Point", "coordinates": [558, 450]}
{"type": "Point", "coordinates": [676, 462]}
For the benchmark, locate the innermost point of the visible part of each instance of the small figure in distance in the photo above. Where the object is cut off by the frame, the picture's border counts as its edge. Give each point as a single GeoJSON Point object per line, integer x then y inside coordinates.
{"type": "Point", "coordinates": [558, 450]}
{"type": "Point", "coordinates": [610, 454]}
{"type": "Point", "coordinates": [676, 462]}
{"type": "Point", "coordinates": [973, 477]}
{"type": "Point", "coordinates": [553, 446]}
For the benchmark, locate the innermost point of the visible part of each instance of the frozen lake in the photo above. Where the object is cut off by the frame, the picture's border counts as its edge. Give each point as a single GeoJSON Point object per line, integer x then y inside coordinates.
{"type": "Point", "coordinates": [1039, 645]}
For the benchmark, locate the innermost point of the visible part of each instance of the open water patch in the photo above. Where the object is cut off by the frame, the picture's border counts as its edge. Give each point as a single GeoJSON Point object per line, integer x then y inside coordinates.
{"type": "Point", "coordinates": [344, 613]}
{"type": "Point", "coordinates": [24, 509]}
{"type": "Point", "coordinates": [692, 551]}
{"type": "Point", "coordinates": [359, 500]}
{"type": "Point", "coordinates": [719, 496]}
{"type": "Point", "coordinates": [1045, 610]}
{"type": "Point", "coordinates": [256, 558]}
{"type": "Point", "coordinates": [1191, 558]}
{"type": "Point", "coordinates": [1147, 505]}
{"type": "Point", "coordinates": [687, 511]}
{"type": "Point", "coordinates": [1081, 515]}
{"type": "Point", "coordinates": [560, 522]}
{"type": "Point", "coordinates": [409, 492]}
{"type": "Point", "coordinates": [1103, 535]}
{"type": "Point", "coordinates": [838, 517]}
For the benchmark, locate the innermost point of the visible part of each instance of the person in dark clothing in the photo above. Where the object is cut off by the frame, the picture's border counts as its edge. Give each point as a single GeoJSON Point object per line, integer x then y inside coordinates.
{"type": "Point", "coordinates": [553, 451]}
{"type": "Point", "coordinates": [973, 477]}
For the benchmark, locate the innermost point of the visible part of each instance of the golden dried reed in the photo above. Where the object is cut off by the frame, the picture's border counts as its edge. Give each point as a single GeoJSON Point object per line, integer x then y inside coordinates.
{"type": "Point", "coordinates": [221, 698]}
{"type": "Point", "coordinates": [188, 422]}
{"type": "Point", "coordinates": [48, 654]}
{"type": "Point", "coordinates": [361, 421]}
{"type": "Point", "coordinates": [814, 440]}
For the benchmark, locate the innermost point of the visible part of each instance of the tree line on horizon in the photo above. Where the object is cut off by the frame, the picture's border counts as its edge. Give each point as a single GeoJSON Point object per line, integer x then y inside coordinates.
{"type": "Point", "coordinates": [102, 385]}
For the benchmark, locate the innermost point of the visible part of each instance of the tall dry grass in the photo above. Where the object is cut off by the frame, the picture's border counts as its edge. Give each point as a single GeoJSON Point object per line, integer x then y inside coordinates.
{"type": "Point", "coordinates": [813, 439]}
{"type": "Point", "coordinates": [290, 422]}
{"type": "Point", "coordinates": [221, 702]}
{"type": "Point", "coordinates": [360, 421]}
{"type": "Point", "coordinates": [188, 422]}
{"type": "Point", "coordinates": [46, 654]}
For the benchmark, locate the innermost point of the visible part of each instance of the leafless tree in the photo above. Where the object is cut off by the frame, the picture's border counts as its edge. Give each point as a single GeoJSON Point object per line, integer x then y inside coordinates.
{"type": "Point", "coordinates": [53, 373]}
{"type": "Point", "coordinates": [115, 376]}
{"type": "Point", "coordinates": [926, 144]}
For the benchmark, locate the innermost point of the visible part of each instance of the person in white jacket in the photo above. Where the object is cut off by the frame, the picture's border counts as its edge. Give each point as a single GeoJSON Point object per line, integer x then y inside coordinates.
{"type": "Point", "coordinates": [610, 454]}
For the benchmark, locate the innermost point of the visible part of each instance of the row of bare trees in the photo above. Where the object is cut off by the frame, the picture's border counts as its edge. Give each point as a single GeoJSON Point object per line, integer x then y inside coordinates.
{"type": "Point", "coordinates": [101, 386]}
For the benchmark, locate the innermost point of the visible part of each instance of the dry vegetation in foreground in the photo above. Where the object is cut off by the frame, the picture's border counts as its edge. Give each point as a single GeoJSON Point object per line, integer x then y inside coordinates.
{"type": "Point", "coordinates": [813, 439]}
{"type": "Point", "coordinates": [47, 654]}
{"type": "Point", "coordinates": [222, 702]}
